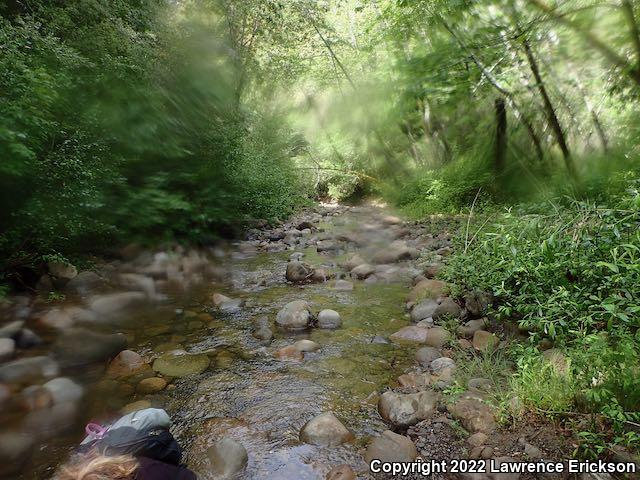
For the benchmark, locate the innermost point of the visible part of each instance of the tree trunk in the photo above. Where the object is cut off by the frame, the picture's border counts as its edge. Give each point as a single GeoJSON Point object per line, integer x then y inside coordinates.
{"type": "Point", "coordinates": [501, 134]}
{"type": "Point", "coordinates": [519, 113]}
{"type": "Point", "coordinates": [550, 111]}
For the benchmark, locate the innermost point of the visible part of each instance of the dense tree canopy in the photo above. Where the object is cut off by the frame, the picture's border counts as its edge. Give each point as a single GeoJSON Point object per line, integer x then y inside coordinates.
{"type": "Point", "coordinates": [164, 119]}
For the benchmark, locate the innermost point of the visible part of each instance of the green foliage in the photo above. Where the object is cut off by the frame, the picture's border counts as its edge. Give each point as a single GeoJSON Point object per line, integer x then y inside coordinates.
{"type": "Point", "coordinates": [120, 120]}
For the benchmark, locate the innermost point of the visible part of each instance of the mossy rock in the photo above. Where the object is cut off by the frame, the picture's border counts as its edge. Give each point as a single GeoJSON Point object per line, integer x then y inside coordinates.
{"type": "Point", "coordinates": [183, 365]}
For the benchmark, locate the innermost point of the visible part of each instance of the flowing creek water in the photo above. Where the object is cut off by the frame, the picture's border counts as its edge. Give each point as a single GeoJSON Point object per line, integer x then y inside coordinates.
{"type": "Point", "coordinates": [246, 393]}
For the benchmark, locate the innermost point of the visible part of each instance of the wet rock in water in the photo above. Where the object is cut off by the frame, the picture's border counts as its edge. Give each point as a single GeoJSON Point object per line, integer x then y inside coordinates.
{"type": "Point", "coordinates": [329, 319]}
{"type": "Point", "coordinates": [125, 363]}
{"type": "Point", "coordinates": [294, 316]}
{"type": "Point", "coordinates": [447, 307]}
{"type": "Point", "coordinates": [476, 302]}
{"type": "Point", "coordinates": [391, 447]}
{"type": "Point", "coordinates": [442, 365]}
{"type": "Point", "coordinates": [114, 303]}
{"type": "Point", "coordinates": [485, 341]}
{"type": "Point", "coordinates": [26, 370]}
{"type": "Point", "coordinates": [427, 289]}
{"type": "Point", "coordinates": [325, 430]}
{"type": "Point", "coordinates": [426, 355]}
{"type": "Point", "coordinates": [289, 352]}
{"type": "Point", "coordinates": [263, 333]}
{"type": "Point", "coordinates": [473, 414]}
{"type": "Point", "coordinates": [62, 271]}
{"type": "Point", "coordinates": [410, 334]}
{"type": "Point", "coordinates": [26, 338]}
{"type": "Point", "coordinates": [15, 450]}
{"type": "Point", "coordinates": [138, 282]}
{"type": "Point", "coordinates": [298, 272]}
{"type": "Point", "coordinates": [135, 406]}
{"type": "Point", "coordinates": [219, 299]}
{"type": "Point", "coordinates": [85, 282]}
{"type": "Point", "coordinates": [51, 422]}
{"type": "Point", "coordinates": [228, 458]}
{"type": "Point", "coordinates": [362, 272]}
{"type": "Point", "coordinates": [57, 318]}
{"type": "Point", "coordinates": [437, 337]}
{"type": "Point", "coordinates": [341, 472]}
{"type": "Point", "coordinates": [233, 305]}
{"type": "Point", "coordinates": [151, 385]}
{"type": "Point", "coordinates": [11, 329]}
{"type": "Point", "coordinates": [307, 346]}
{"type": "Point", "coordinates": [64, 390]}
{"type": "Point", "coordinates": [180, 364]}
{"type": "Point", "coordinates": [468, 329]}
{"type": "Point", "coordinates": [343, 285]}
{"type": "Point", "coordinates": [7, 348]}
{"type": "Point", "coordinates": [405, 409]}
{"type": "Point", "coordinates": [424, 309]}
{"type": "Point", "coordinates": [77, 346]}
{"type": "Point", "coordinates": [35, 397]}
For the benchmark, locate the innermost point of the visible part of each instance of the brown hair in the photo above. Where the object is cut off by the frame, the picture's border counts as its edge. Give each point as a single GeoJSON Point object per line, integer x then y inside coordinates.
{"type": "Point", "coordinates": [94, 466]}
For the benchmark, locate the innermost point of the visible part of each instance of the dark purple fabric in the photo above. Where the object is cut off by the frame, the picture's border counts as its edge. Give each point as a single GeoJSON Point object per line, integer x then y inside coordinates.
{"type": "Point", "coordinates": [151, 469]}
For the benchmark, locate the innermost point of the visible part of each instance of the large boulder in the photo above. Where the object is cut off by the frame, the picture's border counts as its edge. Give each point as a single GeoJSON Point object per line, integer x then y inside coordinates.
{"type": "Point", "coordinates": [181, 364]}
{"type": "Point", "coordinates": [403, 410]}
{"type": "Point", "coordinates": [228, 458]}
{"type": "Point", "coordinates": [325, 430]}
{"type": "Point", "coordinates": [294, 316]}
{"type": "Point", "coordinates": [298, 272]}
{"type": "Point", "coordinates": [391, 447]}
{"type": "Point", "coordinates": [353, 261]}
{"type": "Point", "coordinates": [111, 304]}
{"type": "Point", "coordinates": [78, 346]}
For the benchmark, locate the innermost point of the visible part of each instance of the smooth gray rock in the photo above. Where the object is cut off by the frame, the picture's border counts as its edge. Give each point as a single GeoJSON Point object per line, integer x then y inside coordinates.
{"type": "Point", "coordinates": [26, 370]}
{"type": "Point", "coordinates": [63, 390]}
{"type": "Point", "coordinates": [424, 309]}
{"type": "Point", "coordinates": [294, 316]}
{"type": "Point", "coordinates": [403, 410]}
{"type": "Point", "coordinates": [325, 430]}
{"type": "Point", "coordinates": [329, 319]}
{"type": "Point", "coordinates": [228, 458]}
{"type": "Point", "coordinates": [78, 346]}
{"type": "Point", "coordinates": [7, 348]}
